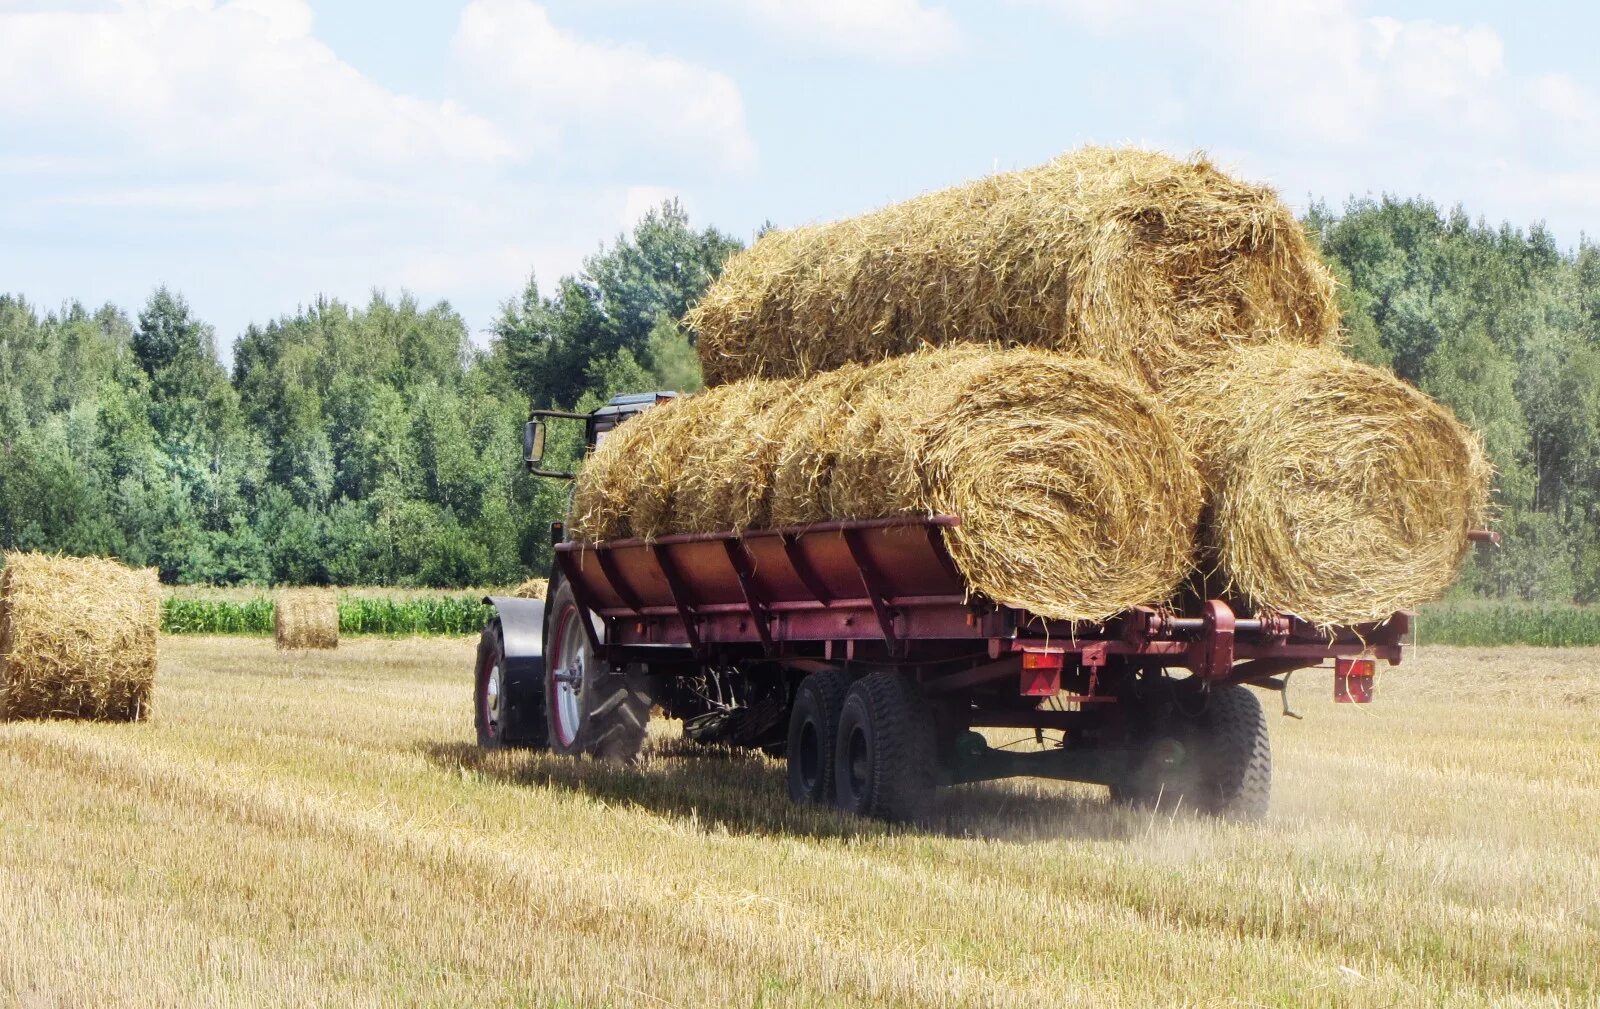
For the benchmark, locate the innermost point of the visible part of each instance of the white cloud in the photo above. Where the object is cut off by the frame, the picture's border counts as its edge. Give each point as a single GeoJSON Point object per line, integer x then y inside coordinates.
{"type": "Point", "coordinates": [899, 30]}
{"type": "Point", "coordinates": [243, 84]}
{"type": "Point", "coordinates": [1338, 99]}
{"type": "Point", "coordinates": [640, 200]}
{"type": "Point", "coordinates": [223, 148]}
{"type": "Point", "coordinates": [561, 93]}
{"type": "Point", "coordinates": [1318, 68]}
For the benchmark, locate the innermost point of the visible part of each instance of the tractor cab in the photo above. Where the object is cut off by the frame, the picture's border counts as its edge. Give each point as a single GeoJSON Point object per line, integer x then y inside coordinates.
{"type": "Point", "coordinates": [596, 426]}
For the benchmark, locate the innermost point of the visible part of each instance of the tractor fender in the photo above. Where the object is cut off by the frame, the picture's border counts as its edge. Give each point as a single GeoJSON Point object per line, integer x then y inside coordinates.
{"type": "Point", "coordinates": [522, 630]}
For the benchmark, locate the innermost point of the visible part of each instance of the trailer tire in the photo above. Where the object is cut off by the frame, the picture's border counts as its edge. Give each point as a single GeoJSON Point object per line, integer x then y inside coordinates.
{"type": "Point", "coordinates": [503, 720]}
{"type": "Point", "coordinates": [593, 708]}
{"type": "Point", "coordinates": [884, 755]}
{"type": "Point", "coordinates": [1218, 761]}
{"type": "Point", "coordinates": [813, 735]}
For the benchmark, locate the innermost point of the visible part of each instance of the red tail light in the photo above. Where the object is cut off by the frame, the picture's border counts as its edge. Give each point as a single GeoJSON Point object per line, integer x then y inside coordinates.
{"type": "Point", "coordinates": [1041, 671]}
{"type": "Point", "coordinates": [1354, 680]}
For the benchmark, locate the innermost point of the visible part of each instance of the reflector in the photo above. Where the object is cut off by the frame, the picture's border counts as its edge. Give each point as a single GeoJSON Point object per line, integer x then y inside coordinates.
{"type": "Point", "coordinates": [1354, 680]}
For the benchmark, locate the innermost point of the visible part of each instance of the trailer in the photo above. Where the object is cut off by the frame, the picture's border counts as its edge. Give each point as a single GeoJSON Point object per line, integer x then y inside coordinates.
{"type": "Point", "coordinates": [856, 651]}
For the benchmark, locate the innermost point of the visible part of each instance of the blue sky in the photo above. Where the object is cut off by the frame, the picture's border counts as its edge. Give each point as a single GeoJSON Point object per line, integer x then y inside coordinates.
{"type": "Point", "coordinates": [257, 153]}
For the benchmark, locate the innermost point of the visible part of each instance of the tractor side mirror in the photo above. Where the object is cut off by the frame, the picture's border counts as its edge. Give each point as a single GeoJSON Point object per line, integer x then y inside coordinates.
{"type": "Point", "coordinates": [533, 443]}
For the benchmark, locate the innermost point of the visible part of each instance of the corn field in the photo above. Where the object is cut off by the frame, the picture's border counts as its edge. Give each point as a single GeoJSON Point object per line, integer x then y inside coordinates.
{"type": "Point", "coordinates": [453, 615]}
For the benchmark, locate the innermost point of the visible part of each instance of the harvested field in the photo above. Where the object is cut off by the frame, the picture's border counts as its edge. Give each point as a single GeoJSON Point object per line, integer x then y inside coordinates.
{"type": "Point", "coordinates": [1126, 256]}
{"type": "Point", "coordinates": [317, 830]}
{"type": "Point", "coordinates": [1336, 491]}
{"type": "Point", "coordinates": [77, 638]}
{"type": "Point", "coordinates": [1076, 498]}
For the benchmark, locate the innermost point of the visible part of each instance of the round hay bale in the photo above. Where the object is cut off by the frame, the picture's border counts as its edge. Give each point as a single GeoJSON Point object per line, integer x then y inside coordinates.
{"type": "Point", "coordinates": [807, 434]}
{"type": "Point", "coordinates": [1338, 493]}
{"type": "Point", "coordinates": [1076, 497]}
{"type": "Point", "coordinates": [640, 501]}
{"type": "Point", "coordinates": [305, 619]}
{"type": "Point", "coordinates": [533, 588]}
{"type": "Point", "coordinates": [77, 638]}
{"type": "Point", "coordinates": [1126, 256]}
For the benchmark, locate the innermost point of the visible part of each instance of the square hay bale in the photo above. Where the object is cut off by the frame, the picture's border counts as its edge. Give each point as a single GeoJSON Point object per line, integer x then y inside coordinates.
{"type": "Point", "coordinates": [77, 638]}
{"type": "Point", "coordinates": [305, 619]}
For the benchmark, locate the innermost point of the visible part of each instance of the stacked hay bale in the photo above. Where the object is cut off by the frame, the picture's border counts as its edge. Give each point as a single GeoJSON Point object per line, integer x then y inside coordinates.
{"type": "Point", "coordinates": [305, 619]}
{"type": "Point", "coordinates": [1337, 492]}
{"type": "Point", "coordinates": [1126, 256]}
{"type": "Point", "coordinates": [77, 638]}
{"type": "Point", "coordinates": [1334, 491]}
{"type": "Point", "coordinates": [1076, 496]}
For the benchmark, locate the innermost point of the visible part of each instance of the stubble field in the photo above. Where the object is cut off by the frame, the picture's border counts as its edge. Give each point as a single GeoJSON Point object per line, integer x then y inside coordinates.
{"type": "Point", "coordinates": [318, 830]}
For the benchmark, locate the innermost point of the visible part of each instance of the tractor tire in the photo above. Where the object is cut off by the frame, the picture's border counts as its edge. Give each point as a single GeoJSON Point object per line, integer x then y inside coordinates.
{"type": "Point", "coordinates": [884, 764]}
{"type": "Point", "coordinates": [592, 708]}
{"type": "Point", "coordinates": [813, 735]}
{"type": "Point", "coordinates": [1218, 761]}
{"type": "Point", "coordinates": [507, 715]}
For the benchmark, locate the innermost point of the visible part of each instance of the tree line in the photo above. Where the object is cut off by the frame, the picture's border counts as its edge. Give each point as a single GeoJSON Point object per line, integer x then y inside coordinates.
{"type": "Point", "coordinates": [379, 444]}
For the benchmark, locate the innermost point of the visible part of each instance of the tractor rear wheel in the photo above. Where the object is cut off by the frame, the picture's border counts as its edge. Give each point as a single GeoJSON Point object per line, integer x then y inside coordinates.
{"type": "Point", "coordinates": [594, 709]}
{"type": "Point", "coordinates": [813, 732]}
{"type": "Point", "coordinates": [1217, 761]}
{"type": "Point", "coordinates": [884, 754]}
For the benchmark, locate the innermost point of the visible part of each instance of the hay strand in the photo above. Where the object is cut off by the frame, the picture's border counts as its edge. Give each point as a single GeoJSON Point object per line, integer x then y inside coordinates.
{"type": "Point", "coordinates": [1126, 256]}
{"type": "Point", "coordinates": [77, 638]}
{"type": "Point", "coordinates": [1338, 492]}
{"type": "Point", "coordinates": [1076, 498]}
{"type": "Point", "coordinates": [305, 619]}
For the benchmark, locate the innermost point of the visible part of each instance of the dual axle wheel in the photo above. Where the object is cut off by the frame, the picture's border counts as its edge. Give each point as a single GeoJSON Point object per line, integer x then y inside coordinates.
{"type": "Point", "coordinates": [870, 747]}
{"type": "Point", "coordinates": [866, 747]}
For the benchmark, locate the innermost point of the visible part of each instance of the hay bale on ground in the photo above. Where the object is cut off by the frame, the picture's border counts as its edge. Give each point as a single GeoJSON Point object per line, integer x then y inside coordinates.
{"type": "Point", "coordinates": [1337, 492]}
{"type": "Point", "coordinates": [77, 638]}
{"type": "Point", "coordinates": [305, 618]}
{"type": "Point", "coordinates": [533, 588]}
{"type": "Point", "coordinates": [1077, 499]}
{"type": "Point", "coordinates": [1125, 256]}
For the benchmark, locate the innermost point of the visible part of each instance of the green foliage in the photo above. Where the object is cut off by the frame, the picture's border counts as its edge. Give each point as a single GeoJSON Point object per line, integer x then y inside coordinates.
{"type": "Point", "coordinates": [613, 313]}
{"type": "Point", "coordinates": [216, 616]}
{"type": "Point", "coordinates": [448, 615]}
{"type": "Point", "coordinates": [451, 615]}
{"type": "Point", "coordinates": [1495, 624]}
{"type": "Point", "coordinates": [1504, 328]}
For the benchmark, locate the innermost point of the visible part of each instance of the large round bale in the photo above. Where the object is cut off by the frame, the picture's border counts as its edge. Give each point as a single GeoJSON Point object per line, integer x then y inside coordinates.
{"type": "Point", "coordinates": [640, 498]}
{"type": "Point", "coordinates": [77, 638]}
{"type": "Point", "coordinates": [1126, 256]}
{"type": "Point", "coordinates": [305, 619]}
{"type": "Point", "coordinates": [1338, 493]}
{"type": "Point", "coordinates": [1076, 497]}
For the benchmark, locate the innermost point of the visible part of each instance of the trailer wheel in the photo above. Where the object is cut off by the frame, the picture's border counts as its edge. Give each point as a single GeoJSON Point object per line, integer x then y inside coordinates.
{"type": "Point", "coordinates": [1218, 761]}
{"type": "Point", "coordinates": [503, 718]}
{"type": "Point", "coordinates": [813, 733]}
{"type": "Point", "coordinates": [884, 755]}
{"type": "Point", "coordinates": [593, 709]}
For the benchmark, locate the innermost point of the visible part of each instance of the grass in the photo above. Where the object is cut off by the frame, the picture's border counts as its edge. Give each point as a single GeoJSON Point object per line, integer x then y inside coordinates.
{"type": "Point", "coordinates": [310, 830]}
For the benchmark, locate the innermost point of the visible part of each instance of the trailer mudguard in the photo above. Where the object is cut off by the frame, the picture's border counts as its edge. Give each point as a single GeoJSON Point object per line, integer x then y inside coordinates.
{"type": "Point", "coordinates": [522, 631]}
